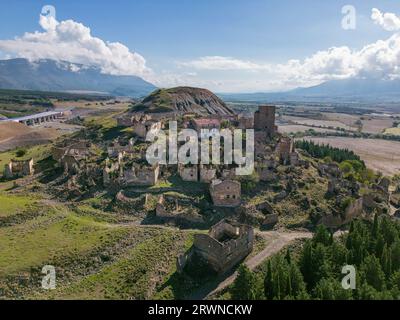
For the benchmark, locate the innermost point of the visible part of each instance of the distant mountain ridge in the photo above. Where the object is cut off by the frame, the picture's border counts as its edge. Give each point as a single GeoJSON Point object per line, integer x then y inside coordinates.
{"type": "Point", "coordinates": [183, 100]}
{"type": "Point", "coordinates": [348, 90]}
{"type": "Point", "coordinates": [63, 76]}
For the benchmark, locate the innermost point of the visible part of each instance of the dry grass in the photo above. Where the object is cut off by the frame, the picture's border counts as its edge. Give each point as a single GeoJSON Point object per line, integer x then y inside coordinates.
{"type": "Point", "coordinates": [379, 155]}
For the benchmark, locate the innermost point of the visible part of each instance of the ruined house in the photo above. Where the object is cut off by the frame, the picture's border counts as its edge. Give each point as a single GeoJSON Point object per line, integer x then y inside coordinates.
{"type": "Point", "coordinates": [206, 123]}
{"type": "Point", "coordinates": [226, 193]}
{"type": "Point", "coordinates": [207, 174]}
{"type": "Point", "coordinates": [140, 175]}
{"type": "Point", "coordinates": [144, 125]}
{"type": "Point", "coordinates": [177, 209]}
{"type": "Point", "coordinates": [245, 121]}
{"type": "Point", "coordinates": [189, 173]}
{"type": "Point", "coordinates": [330, 170]}
{"type": "Point", "coordinates": [77, 148]}
{"type": "Point", "coordinates": [18, 168]}
{"type": "Point", "coordinates": [116, 148]}
{"type": "Point", "coordinates": [228, 173]}
{"type": "Point", "coordinates": [354, 210]}
{"type": "Point", "coordinates": [227, 244]}
{"type": "Point", "coordinates": [70, 153]}
{"type": "Point", "coordinates": [285, 149]}
{"type": "Point", "coordinates": [294, 159]}
{"type": "Point", "coordinates": [264, 120]}
{"type": "Point", "coordinates": [70, 163]}
{"type": "Point", "coordinates": [112, 171]}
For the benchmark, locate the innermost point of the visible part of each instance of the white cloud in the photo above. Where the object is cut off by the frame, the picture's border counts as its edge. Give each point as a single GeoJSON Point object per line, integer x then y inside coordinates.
{"type": "Point", "coordinates": [380, 59]}
{"type": "Point", "coordinates": [223, 63]}
{"type": "Point", "coordinates": [388, 21]}
{"type": "Point", "coordinates": [72, 41]}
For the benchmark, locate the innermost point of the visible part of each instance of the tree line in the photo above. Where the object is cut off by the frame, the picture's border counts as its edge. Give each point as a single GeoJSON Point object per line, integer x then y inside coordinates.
{"type": "Point", "coordinates": [321, 151]}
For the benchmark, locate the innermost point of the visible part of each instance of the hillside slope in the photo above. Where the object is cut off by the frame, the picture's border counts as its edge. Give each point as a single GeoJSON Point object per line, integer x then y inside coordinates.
{"type": "Point", "coordinates": [184, 100]}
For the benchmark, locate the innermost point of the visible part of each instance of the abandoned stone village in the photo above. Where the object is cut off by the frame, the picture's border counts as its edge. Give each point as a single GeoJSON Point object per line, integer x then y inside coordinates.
{"type": "Point", "coordinates": [207, 196]}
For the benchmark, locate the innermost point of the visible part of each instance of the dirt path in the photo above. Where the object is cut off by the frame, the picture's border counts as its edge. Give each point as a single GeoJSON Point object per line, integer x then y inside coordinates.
{"type": "Point", "coordinates": [277, 241]}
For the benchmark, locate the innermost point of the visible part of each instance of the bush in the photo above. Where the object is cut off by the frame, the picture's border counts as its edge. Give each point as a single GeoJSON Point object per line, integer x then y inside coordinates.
{"type": "Point", "coordinates": [20, 153]}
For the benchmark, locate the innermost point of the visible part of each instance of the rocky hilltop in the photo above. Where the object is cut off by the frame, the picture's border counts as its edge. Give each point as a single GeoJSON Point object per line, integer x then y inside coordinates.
{"type": "Point", "coordinates": [183, 100]}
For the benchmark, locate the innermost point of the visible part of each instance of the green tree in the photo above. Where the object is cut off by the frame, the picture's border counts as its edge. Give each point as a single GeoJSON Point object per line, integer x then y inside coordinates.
{"type": "Point", "coordinates": [246, 285]}
{"type": "Point", "coordinates": [372, 273]}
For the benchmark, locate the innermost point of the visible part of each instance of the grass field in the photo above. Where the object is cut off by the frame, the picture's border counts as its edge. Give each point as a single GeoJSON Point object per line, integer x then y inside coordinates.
{"type": "Point", "coordinates": [139, 274]}
{"type": "Point", "coordinates": [15, 204]}
{"type": "Point", "coordinates": [95, 255]}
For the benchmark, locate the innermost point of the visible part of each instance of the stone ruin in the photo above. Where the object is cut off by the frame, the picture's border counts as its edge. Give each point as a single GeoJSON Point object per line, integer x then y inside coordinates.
{"type": "Point", "coordinates": [330, 170]}
{"type": "Point", "coordinates": [140, 175]}
{"type": "Point", "coordinates": [70, 153]}
{"type": "Point", "coordinates": [142, 124]}
{"type": "Point", "coordinates": [245, 121]}
{"type": "Point", "coordinates": [271, 217]}
{"type": "Point", "coordinates": [226, 244]}
{"type": "Point", "coordinates": [262, 214]}
{"type": "Point", "coordinates": [354, 210]}
{"type": "Point", "coordinates": [116, 148]}
{"type": "Point", "coordinates": [18, 168]}
{"type": "Point", "coordinates": [207, 174]}
{"type": "Point", "coordinates": [286, 153]}
{"type": "Point", "coordinates": [177, 209]}
{"type": "Point", "coordinates": [189, 173]}
{"type": "Point", "coordinates": [206, 123]}
{"type": "Point", "coordinates": [226, 193]}
{"type": "Point", "coordinates": [264, 120]}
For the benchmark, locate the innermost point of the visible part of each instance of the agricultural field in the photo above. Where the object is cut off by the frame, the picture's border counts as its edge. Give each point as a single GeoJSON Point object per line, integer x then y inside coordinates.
{"type": "Point", "coordinates": [293, 128]}
{"type": "Point", "coordinates": [393, 131]}
{"type": "Point", "coordinates": [376, 124]}
{"type": "Point", "coordinates": [318, 123]}
{"type": "Point", "coordinates": [379, 155]}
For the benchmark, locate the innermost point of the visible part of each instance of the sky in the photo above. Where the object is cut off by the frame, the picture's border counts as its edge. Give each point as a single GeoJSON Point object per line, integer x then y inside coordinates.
{"type": "Point", "coordinates": [222, 45]}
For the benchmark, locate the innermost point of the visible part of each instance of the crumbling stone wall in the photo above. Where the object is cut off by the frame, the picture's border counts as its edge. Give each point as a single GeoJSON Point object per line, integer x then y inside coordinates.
{"type": "Point", "coordinates": [245, 122]}
{"type": "Point", "coordinates": [354, 210]}
{"type": "Point", "coordinates": [18, 168]}
{"type": "Point", "coordinates": [226, 193]}
{"type": "Point", "coordinates": [226, 244]}
{"type": "Point", "coordinates": [207, 174]}
{"type": "Point", "coordinates": [141, 127]}
{"type": "Point", "coordinates": [264, 120]}
{"type": "Point", "coordinates": [140, 176]}
{"type": "Point", "coordinates": [284, 149]}
{"type": "Point", "coordinates": [189, 173]}
{"type": "Point", "coordinates": [116, 148]}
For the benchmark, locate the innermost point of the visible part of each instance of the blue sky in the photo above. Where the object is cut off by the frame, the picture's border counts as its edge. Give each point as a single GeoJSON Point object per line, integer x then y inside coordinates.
{"type": "Point", "coordinates": [171, 34]}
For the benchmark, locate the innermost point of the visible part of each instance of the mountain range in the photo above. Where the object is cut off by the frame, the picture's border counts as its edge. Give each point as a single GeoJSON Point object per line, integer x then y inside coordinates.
{"type": "Point", "coordinates": [348, 90]}
{"type": "Point", "coordinates": [63, 76]}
